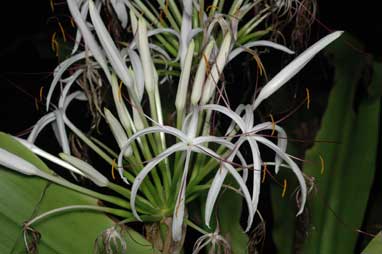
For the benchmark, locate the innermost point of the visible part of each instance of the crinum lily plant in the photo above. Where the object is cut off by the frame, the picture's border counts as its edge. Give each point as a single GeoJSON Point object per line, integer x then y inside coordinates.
{"type": "Point", "coordinates": [165, 164]}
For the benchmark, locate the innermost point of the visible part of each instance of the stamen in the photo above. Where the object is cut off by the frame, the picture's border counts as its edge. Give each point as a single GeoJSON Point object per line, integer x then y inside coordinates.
{"type": "Point", "coordinates": [72, 22]}
{"type": "Point", "coordinates": [322, 165]}
{"type": "Point", "coordinates": [273, 124]}
{"type": "Point", "coordinates": [62, 31]}
{"type": "Point", "coordinates": [53, 41]}
{"type": "Point", "coordinates": [41, 93]}
{"type": "Point", "coordinates": [284, 188]}
{"type": "Point", "coordinates": [113, 169]}
{"type": "Point", "coordinates": [307, 98]}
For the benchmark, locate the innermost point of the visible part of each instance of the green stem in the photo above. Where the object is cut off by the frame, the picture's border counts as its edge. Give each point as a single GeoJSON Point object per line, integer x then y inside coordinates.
{"type": "Point", "coordinates": [117, 212]}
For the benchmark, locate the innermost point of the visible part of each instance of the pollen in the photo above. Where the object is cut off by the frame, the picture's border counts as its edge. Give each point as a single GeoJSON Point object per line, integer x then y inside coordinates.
{"type": "Point", "coordinates": [273, 124]}
{"type": "Point", "coordinates": [72, 22]}
{"type": "Point", "coordinates": [322, 165]}
{"type": "Point", "coordinates": [113, 169]}
{"type": "Point", "coordinates": [62, 31]}
{"type": "Point", "coordinates": [284, 188]}
{"type": "Point", "coordinates": [307, 98]}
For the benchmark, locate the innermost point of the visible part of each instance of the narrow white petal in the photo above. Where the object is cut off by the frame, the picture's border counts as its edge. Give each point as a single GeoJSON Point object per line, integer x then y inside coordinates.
{"type": "Point", "coordinates": [282, 139]}
{"type": "Point", "coordinates": [294, 67]}
{"type": "Point", "coordinates": [70, 82]}
{"type": "Point", "coordinates": [181, 95]}
{"type": "Point", "coordinates": [144, 51]}
{"type": "Point", "coordinates": [40, 125]}
{"type": "Point", "coordinates": [89, 171]}
{"type": "Point", "coordinates": [48, 156]}
{"type": "Point", "coordinates": [138, 72]}
{"type": "Point", "coordinates": [16, 163]}
{"type": "Point", "coordinates": [217, 69]}
{"type": "Point", "coordinates": [121, 11]}
{"type": "Point", "coordinates": [117, 130]}
{"type": "Point", "coordinates": [62, 131]}
{"type": "Point", "coordinates": [256, 172]}
{"type": "Point", "coordinates": [200, 75]}
{"type": "Point", "coordinates": [231, 114]}
{"type": "Point", "coordinates": [260, 43]}
{"type": "Point", "coordinates": [58, 71]}
{"type": "Point", "coordinates": [177, 220]}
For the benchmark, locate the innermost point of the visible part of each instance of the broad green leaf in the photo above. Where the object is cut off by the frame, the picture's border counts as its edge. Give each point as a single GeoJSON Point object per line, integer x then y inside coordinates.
{"type": "Point", "coordinates": [375, 246]}
{"type": "Point", "coordinates": [352, 120]}
{"type": "Point", "coordinates": [22, 198]}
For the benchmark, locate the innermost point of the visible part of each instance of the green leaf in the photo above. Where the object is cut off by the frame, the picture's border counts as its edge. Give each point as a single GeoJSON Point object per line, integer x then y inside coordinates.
{"type": "Point", "coordinates": [23, 197]}
{"type": "Point", "coordinates": [375, 246]}
{"type": "Point", "coordinates": [229, 210]}
{"type": "Point", "coordinates": [338, 206]}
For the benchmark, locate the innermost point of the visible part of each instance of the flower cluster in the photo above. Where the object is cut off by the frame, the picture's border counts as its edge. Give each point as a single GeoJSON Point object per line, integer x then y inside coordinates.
{"type": "Point", "coordinates": [165, 164]}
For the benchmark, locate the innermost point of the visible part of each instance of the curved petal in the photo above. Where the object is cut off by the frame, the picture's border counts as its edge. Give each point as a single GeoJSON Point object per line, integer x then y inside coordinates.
{"type": "Point", "coordinates": [60, 69]}
{"type": "Point", "coordinates": [143, 173]}
{"type": "Point", "coordinates": [282, 139]}
{"type": "Point", "coordinates": [177, 221]}
{"type": "Point", "coordinates": [294, 67]}
{"type": "Point", "coordinates": [235, 117]}
{"type": "Point", "coordinates": [293, 166]}
{"type": "Point", "coordinates": [259, 43]}
{"type": "Point", "coordinates": [40, 125]}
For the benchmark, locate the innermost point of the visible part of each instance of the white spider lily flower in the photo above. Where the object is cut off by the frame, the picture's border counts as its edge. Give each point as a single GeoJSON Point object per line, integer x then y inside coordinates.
{"type": "Point", "coordinates": [181, 95]}
{"type": "Point", "coordinates": [217, 69]}
{"type": "Point", "coordinates": [117, 130]}
{"type": "Point", "coordinates": [18, 164]}
{"type": "Point", "coordinates": [88, 170]}
{"type": "Point", "coordinates": [246, 126]}
{"type": "Point", "coordinates": [294, 67]}
{"type": "Point", "coordinates": [144, 51]}
{"type": "Point", "coordinates": [215, 240]}
{"type": "Point", "coordinates": [108, 45]}
{"type": "Point", "coordinates": [200, 75]}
